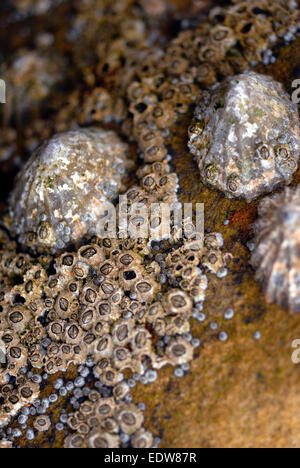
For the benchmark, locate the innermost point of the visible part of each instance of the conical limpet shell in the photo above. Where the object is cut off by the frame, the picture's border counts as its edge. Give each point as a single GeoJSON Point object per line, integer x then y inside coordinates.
{"type": "Point", "coordinates": [276, 249]}
{"type": "Point", "coordinates": [246, 136]}
{"type": "Point", "coordinates": [60, 193]}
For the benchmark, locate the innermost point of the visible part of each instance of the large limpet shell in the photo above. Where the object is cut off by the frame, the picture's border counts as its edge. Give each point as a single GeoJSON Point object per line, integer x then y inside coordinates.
{"type": "Point", "coordinates": [60, 193]}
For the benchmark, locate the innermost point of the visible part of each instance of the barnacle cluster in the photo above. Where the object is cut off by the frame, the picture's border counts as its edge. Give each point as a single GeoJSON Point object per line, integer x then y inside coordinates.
{"type": "Point", "coordinates": [246, 136]}
{"type": "Point", "coordinates": [99, 305]}
{"type": "Point", "coordinates": [275, 248]}
{"type": "Point", "coordinates": [104, 303]}
{"type": "Point", "coordinates": [117, 309]}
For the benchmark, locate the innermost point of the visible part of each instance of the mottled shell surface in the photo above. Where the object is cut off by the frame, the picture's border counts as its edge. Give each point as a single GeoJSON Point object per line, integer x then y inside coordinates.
{"type": "Point", "coordinates": [32, 77]}
{"type": "Point", "coordinates": [60, 193]}
{"type": "Point", "coordinates": [246, 136]}
{"type": "Point", "coordinates": [276, 248]}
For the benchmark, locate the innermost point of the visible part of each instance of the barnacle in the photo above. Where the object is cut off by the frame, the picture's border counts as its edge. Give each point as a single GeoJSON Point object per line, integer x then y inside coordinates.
{"type": "Point", "coordinates": [42, 423]}
{"type": "Point", "coordinates": [6, 444]}
{"type": "Point", "coordinates": [276, 253]}
{"type": "Point", "coordinates": [179, 351]}
{"type": "Point", "coordinates": [142, 439]}
{"type": "Point", "coordinates": [129, 417]}
{"type": "Point", "coordinates": [87, 315]}
{"type": "Point", "coordinates": [246, 136]}
{"type": "Point", "coordinates": [177, 302]}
